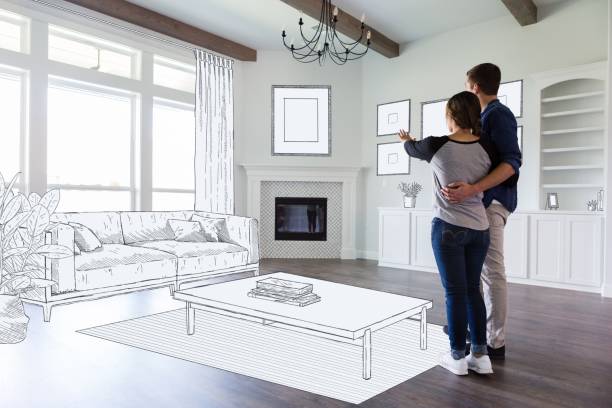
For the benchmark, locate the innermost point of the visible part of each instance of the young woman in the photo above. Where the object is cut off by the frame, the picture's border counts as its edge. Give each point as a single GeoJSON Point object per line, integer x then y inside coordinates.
{"type": "Point", "coordinates": [460, 232]}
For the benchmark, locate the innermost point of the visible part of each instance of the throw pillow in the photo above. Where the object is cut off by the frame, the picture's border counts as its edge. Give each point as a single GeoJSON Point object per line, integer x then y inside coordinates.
{"type": "Point", "coordinates": [187, 231]}
{"type": "Point", "coordinates": [215, 229]}
{"type": "Point", "coordinates": [84, 238]}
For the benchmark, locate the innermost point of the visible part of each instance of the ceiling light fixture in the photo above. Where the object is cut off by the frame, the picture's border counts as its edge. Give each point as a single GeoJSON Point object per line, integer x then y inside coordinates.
{"type": "Point", "coordinates": [326, 42]}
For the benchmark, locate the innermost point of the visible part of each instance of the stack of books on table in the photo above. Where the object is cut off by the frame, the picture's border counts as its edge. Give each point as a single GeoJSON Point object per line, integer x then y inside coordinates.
{"type": "Point", "coordinates": [284, 291]}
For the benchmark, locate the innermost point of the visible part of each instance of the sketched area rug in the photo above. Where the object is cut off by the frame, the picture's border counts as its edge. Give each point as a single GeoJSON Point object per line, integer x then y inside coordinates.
{"type": "Point", "coordinates": [317, 365]}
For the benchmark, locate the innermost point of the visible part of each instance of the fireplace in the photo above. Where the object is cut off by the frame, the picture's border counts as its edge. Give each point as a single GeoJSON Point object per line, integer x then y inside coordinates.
{"type": "Point", "coordinates": [300, 219]}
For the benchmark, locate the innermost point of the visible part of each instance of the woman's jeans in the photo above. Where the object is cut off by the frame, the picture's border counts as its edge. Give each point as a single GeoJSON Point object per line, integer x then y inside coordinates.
{"type": "Point", "coordinates": [460, 253]}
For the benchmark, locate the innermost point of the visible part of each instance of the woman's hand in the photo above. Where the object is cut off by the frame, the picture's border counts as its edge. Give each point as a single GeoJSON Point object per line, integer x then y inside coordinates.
{"type": "Point", "coordinates": [405, 136]}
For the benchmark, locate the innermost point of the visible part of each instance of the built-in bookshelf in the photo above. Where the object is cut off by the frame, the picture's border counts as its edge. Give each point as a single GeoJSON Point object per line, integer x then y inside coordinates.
{"type": "Point", "coordinates": [572, 138]}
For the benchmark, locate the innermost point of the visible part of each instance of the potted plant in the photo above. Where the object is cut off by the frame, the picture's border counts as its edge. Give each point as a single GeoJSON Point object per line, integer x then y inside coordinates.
{"type": "Point", "coordinates": [23, 226]}
{"type": "Point", "coordinates": [410, 190]}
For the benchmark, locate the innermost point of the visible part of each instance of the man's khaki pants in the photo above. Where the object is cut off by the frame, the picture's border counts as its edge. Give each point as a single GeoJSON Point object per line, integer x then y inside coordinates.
{"type": "Point", "coordinates": [493, 278]}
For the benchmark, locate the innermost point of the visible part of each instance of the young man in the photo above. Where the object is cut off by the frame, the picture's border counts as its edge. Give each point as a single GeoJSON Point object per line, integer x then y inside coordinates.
{"type": "Point", "coordinates": [500, 196]}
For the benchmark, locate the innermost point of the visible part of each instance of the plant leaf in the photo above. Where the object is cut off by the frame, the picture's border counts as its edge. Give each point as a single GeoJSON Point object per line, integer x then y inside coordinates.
{"type": "Point", "coordinates": [9, 190]}
{"type": "Point", "coordinates": [10, 210]}
{"type": "Point", "coordinates": [2, 186]}
{"type": "Point", "coordinates": [17, 221]}
{"type": "Point", "coordinates": [15, 251]}
{"type": "Point", "coordinates": [20, 282]}
{"type": "Point", "coordinates": [55, 251]}
{"type": "Point", "coordinates": [41, 283]}
{"type": "Point", "coordinates": [50, 200]}
{"type": "Point", "coordinates": [34, 199]}
{"type": "Point", "coordinates": [38, 221]}
{"type": "Point", "coordinates": [25, 204]}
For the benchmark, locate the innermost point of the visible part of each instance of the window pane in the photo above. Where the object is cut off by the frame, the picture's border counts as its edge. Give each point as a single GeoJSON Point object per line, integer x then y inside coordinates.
{"type": "Point", "coordinates": [12, 30]}
{"type": "Point", "coordinates": [89, 137]}
{"type": "Point", "coordinates": [173, 74]}
{"type": "Point", "coordinates": [10, 125]}
{"type": "Point", "coordinates": [173, 146]}
{"type": "Point", "coordinates": [77, 200]}
{"type": "Point", "coordinates": [173, 201]}
{"type": "Point", "coordinates": [85, 51]}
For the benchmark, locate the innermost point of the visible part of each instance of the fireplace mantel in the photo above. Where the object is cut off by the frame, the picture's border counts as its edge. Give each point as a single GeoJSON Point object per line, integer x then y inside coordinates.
{"type": "Point", "coordinates": [348, 176]}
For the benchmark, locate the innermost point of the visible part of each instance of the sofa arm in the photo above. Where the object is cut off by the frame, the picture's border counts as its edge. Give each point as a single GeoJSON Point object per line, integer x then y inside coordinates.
{"type": "Point", "coordinates": [62, 270]}
{"type": "Point", "coordinates": [243, 231]}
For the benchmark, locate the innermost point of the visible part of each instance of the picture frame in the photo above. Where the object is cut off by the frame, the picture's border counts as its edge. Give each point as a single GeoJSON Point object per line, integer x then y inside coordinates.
{"type": "Point", "coordinates": [392, 159]}
{"type": "Point", "coordinates": [511, 94]}
{"type": "Point", "coordinates": [392, 116]}
{"type": "Point", "coordinates": [433, 118]}
{"type": "Point", "coordinates": [552, 201]}
{"type": "Point", "coordinates": [301, 120]}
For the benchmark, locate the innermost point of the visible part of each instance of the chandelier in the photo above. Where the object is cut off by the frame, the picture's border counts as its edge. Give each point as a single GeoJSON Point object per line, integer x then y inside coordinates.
{"type": "Point", "coordinates": [325, 42]}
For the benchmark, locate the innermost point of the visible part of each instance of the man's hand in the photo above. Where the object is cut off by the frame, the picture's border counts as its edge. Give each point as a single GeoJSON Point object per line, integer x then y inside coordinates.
{"type": "Point", "coordinates": [458, 192]}
{"type": "Point", "coordinates": [405, 136]}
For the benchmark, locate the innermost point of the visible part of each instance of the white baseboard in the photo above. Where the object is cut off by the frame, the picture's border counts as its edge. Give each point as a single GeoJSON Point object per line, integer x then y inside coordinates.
{"type": "Point", "coordinates": [364, 254]}
{"type": "Point", "coordinates": [348, 253]}
{"type": "Point", "coordinates": [606, 291]}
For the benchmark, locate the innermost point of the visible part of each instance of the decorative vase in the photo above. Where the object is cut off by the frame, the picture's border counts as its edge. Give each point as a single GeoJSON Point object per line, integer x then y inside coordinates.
{"type": "Point", "coordinates": [13, 320]}
{"type": "Point", "coordinates": [409, 201]}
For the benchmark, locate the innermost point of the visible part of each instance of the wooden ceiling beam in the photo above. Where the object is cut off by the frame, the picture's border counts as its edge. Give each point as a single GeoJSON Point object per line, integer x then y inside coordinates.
{"type": "Point", "coordinates": [162, 24]}
{"type": "Point", "coordinates": [524, 11]}
{"type": "Point", "coordinates": [349, 26]}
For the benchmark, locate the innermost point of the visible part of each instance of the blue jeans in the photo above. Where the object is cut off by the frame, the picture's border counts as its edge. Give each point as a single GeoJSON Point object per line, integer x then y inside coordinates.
{"type": "Point", "coordinates": [460, 253]}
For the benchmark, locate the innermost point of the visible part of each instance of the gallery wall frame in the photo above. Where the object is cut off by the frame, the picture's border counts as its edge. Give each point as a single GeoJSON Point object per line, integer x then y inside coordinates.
{"type": "Point", "coordinates": [511, 94]}
{"type": "Point", "coordinates": [433, 118]}
{"type": "Point", "coordinates": [392, 159]}
{"type": "Point", "coordinates": [301, 120]}
{"type": "Point", "coordinates": [393, 116]}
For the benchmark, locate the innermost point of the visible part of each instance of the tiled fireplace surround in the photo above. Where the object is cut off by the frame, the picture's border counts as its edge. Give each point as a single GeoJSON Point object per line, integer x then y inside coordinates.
{"type": "Point", "coordinates": [338, 184]}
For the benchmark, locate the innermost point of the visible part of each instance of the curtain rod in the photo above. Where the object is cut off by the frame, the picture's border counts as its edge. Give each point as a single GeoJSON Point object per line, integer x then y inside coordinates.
{"type": "Point", "coordinates": [121, 27]}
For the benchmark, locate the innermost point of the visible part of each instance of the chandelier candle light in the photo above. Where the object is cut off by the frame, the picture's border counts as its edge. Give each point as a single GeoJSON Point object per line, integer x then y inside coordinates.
{"type": "Point", "coordinates": [326, 42]}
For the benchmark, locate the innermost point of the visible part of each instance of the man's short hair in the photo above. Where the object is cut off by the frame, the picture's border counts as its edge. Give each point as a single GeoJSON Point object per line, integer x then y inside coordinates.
{"type": "Point", "coordinates": [487, 76]}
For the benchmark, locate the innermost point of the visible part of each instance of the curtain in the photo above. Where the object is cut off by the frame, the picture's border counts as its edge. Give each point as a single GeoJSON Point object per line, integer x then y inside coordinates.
{"type": "Point", "coordinates": [214, 152]}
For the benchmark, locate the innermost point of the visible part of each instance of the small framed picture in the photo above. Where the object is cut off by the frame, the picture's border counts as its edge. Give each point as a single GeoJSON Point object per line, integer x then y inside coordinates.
{"type": "Point", "coordinates": [511, 95]}
{"type": "Point", "coordinates": [552, 201]}
{"type": "Point", "coordinates": [433, 118]}
{"type": "Point", "coordinates": [392, 159]}
{"type": "Point", "coordinates": [393, 116]}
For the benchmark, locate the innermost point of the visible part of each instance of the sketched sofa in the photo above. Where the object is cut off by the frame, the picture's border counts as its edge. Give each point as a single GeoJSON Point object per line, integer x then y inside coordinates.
{"type": "Point", "coordinates": [138, 252]}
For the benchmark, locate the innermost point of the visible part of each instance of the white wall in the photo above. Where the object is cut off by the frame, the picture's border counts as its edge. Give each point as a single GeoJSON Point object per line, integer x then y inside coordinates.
{"type": "Point", "coordinates": [568, 34]}
{"type": "Point", "coordinates": [607, 286]}
{"type": "Point", "coordinates": [253, 87]}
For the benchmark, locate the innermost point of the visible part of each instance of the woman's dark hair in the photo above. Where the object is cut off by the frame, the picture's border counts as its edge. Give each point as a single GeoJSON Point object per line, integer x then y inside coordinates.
{"type": "Point", "coordinates": [464, 109]}
{"type": "Point", "coordinates": [487, 76]}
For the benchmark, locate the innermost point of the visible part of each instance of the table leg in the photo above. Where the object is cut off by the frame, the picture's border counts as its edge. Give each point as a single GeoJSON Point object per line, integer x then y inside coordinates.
{"type": "Point", "coordinates": [424, 328]}
{"type": "Point", "coordinates": [367, 354]}
{"type": "Point", "coordinates": [190, 318]}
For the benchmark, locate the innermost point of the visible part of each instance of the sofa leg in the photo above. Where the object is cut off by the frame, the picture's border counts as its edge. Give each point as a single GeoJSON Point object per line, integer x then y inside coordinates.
{"type": "Point", "coordinates": [46, 312]}
{"type": "Point", "coordinates": [172, 289]}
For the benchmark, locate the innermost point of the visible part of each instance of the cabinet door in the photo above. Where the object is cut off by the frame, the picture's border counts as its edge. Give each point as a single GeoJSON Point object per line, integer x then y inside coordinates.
{"type": "Point", "coordinates": [584, 239]}
{"type": "Point", "coordinates": [394, 236]}
{"type": "Point", "coordinates": [421, 253]}
{"type": "Point", "coordinates": [547, 245]}
{"type": "Point", "coordinates": [516, 235]}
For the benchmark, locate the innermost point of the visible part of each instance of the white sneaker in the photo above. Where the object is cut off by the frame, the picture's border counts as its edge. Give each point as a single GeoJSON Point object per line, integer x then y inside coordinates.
{"type": "Point", "coordinates": [481, 365]}
{"type": "Point", "coordinates": [459, 367]}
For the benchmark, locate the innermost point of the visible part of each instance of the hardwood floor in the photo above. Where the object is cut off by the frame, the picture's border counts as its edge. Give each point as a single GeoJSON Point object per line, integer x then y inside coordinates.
{"type": "Point", "coordinates": [559, 355]}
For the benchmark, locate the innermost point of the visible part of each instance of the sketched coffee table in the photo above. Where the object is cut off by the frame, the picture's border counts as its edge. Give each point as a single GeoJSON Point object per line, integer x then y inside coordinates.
{"type": "Point", "coordinates": [345, 313]}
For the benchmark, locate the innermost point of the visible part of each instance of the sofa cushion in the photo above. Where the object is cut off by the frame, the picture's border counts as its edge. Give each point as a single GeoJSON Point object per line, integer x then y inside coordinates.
{"type": "Point", "coordinates": [84, 238]}
{"type": "Point", "coordinates": [187, 231]}
{"type": "Point", "coordinates": [115, 264]}
{"type": "Point", "coordinates": [196, 257]}
{"type": "Point", "coordinates": [150, 226]}
{"type": "Point", "coordinates": [213, 228]}
{"type": "Point", "coordinates": [106, 225]}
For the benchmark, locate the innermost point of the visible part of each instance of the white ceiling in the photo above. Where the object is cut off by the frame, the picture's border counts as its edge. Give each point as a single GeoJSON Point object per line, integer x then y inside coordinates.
{"type": "Point", "coordinates": [258, 23]}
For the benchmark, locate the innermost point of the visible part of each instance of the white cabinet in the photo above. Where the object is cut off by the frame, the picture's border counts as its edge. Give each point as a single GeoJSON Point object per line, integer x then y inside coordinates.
{"type": "Point", "coordinates": [421, 252]}
{"type": "Point", "coordinates": [516, 239]}
{"type": "Point", "coordinates": [559, 249]}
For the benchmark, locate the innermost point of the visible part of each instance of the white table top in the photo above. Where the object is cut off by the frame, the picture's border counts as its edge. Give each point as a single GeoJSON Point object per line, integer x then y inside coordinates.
{"type": "Point", "coordinates": [343, 310]}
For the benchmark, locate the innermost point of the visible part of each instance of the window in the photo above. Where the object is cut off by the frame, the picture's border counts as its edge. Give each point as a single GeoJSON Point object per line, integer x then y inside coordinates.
{"type": "Point", "coordinates": [89, 148]}
{"type": "Point", "coordinates": [173, 153]}
{"type": "Point", "coordinates": [11, 121]}
{"type": "Point", "coordinates": [173, 74]}
{"type": "Point", "coordinates": [14, 31]}
{"type": "Point", "coordinates": [90, 52]}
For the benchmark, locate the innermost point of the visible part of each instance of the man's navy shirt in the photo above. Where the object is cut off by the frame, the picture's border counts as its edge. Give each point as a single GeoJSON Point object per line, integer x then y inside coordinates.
{"type": "Point", "coordinates": [499, 129]}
